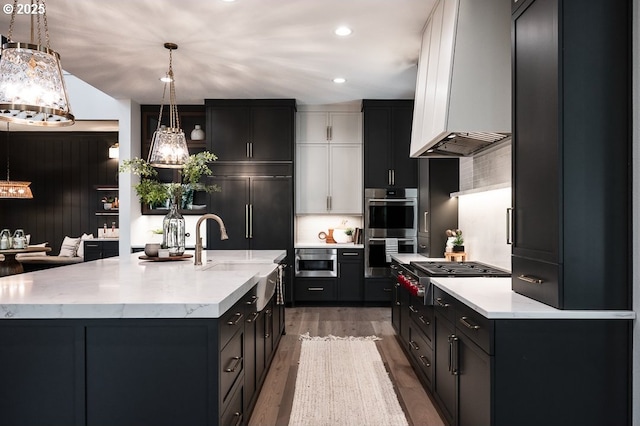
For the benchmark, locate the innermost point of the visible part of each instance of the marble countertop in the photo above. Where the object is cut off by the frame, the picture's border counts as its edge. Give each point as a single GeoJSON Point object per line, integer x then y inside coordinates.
{"type": "Point", "coordinates": [494, 299]}
{"type": "Point", "coordinates": [132, 288]}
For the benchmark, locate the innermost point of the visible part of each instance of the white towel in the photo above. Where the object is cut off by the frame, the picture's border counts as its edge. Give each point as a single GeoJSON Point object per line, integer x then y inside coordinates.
{"type": "Point", "coordinates": [390, 247]}
{"type": "Point", "coordinates": [280, 286]}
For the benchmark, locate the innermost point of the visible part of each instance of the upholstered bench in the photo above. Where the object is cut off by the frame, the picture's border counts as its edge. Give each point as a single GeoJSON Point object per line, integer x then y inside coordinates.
{"type": "Point", "coordinates": [71, 251]}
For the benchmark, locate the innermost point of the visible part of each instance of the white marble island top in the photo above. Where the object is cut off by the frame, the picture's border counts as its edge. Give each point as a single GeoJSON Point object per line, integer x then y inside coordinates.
{"type": "Point", "coordinates": [132, 288]}
{"type": "Point", "coordinates": [494, 299]}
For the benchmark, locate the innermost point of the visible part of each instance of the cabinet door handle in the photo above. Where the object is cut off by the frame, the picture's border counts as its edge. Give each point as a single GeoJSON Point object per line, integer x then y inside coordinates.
{"type": "Point", "coordinates": [338, 270]}
{"type": "Point", "coordinates": [238, 417]}
{"type": "Point", "coordinates": [531, 279]}
{"type": "Point", "coordinates": [328, 208]}
{"type": "Point", "coordinates": [412, 309]}
{"type": "Point", "coordinates": [247, 151]}
{"type": "Point", "coordinates": [414, 345]}
{"type": "Point", "coordinates": [465, 321]}
{"type": "Point", "coordinates": [315, 288]}
{"type": "Point", "coordinates": [389, 177]}
{"type": "Point", "coordinates": [510, 225]}
{"type": "Point", "coordinates": [441, 303]}
{"type": "Point", "coordinates": [250, 220]}
{"type": "Point", "coordinates": [425, 222]}
{"type": "Point", "coordinates": [393, 177]}
{"type": "Point", "coordinates": [236, 362]}
{"type": "Point", "coordinates": [328, 133]}
{"type": "Point", "coordinates": [453, 354]}
{"type": "Point", "coordinates": [238, 317]}
{"type": "Point", "coordinates": [349, 254]}
{"type": "Point", "coordinates": [250, 149]}
{"type": "Point", "coordinates": [253, 317]}
{"type": "Point", "coordinates": [246, 221]}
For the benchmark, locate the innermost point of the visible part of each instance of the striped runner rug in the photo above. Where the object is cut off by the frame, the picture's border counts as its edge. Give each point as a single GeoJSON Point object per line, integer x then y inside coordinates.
{"type": "Point", "coordinates": [342, 381]}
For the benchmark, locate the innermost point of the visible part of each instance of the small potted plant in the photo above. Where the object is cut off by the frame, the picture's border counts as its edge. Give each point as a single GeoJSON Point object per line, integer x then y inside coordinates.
{"type": "Point", "coordinates": [458, 241]}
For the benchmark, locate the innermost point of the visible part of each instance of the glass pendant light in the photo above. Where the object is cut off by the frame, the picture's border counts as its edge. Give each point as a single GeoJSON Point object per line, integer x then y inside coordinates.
{"type": "Point", "coordinates": [32, 89]}
{"type": "Point", "coordinates": [13, 188]}
{"type": "Point", "coordinates": [169, 144]}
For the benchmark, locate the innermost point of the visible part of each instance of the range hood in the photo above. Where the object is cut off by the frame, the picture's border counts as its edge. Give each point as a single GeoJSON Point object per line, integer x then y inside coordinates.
{"type": "Point", "coordinates": [463, 89]}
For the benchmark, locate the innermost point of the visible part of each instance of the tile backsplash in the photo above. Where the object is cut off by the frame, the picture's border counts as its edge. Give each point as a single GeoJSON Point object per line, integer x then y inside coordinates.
{"type": "Point", "coordinates": [491, 167]}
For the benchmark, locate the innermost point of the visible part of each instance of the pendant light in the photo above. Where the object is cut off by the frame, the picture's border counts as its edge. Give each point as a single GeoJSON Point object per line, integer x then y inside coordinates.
{"type": "Point", "coordinates": [13, 189]}
{"type": "Point", "coordinates": [169, 144]}
{"type": "Point", "coordinates": [32, 89]}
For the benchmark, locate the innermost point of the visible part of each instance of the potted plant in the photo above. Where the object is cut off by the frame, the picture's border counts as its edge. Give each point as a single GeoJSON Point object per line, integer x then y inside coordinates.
{"type": "Point", "coordinates": [458, 241]}
{"type": "Point", "coordinates": [154, 193]}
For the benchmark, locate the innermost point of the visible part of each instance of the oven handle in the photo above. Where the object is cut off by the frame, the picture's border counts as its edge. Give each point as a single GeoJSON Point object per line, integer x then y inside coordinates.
{"type": "Point", "coordinates": [392, 200]}
{"type": "Point", "coordinates": [383, 239]}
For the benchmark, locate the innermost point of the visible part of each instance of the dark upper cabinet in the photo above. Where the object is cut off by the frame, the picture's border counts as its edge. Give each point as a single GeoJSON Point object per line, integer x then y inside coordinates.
{"type": "Point", "coordinates": [437, 211]}
{"type": "Point", "coordinates": [571, 153]}
{"type": "Point", "coordinates": [257, 212]}
{"type": "Point", "coordinates": [387, 137]}
{"type": "Point", "coordinates": [251, 130]}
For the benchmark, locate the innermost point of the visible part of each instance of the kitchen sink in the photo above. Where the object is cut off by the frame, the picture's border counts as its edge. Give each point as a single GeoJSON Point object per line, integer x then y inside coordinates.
{"type": "Point", "coordinates": [267, 273]}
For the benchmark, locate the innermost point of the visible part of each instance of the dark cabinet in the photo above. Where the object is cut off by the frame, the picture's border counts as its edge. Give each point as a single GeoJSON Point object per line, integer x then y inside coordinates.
{"type": "Point", "coordinates": [100, 249]}
{"type": "Point", "coordinates": [387, 137]}
{"type": "Point", "coordinates": [315, 289]}
{"type": "Point", "coordinates": [437, 211]}
{"type": "Point", "coordinates": [379, 290]}
{"type": "Point", "coordinates": [350, 275]}
{"type": "Point", "coordinates": [251, 130]}
{"type": "Point", "coordinates": [571, 156]}
{"type": "Point", "coordinates": [257, 212]}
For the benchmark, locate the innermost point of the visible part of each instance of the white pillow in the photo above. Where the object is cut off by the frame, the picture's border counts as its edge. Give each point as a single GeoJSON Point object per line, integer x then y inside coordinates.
{"type": "Point", "coordinates": [84, 237]}
{"type": "Point", "coordinates": [69, 247]}
{"type": "Point", "coordinates": [33, 254]}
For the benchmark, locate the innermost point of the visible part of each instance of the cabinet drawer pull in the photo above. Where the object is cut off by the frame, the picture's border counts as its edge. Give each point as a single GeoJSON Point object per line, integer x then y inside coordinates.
{"type": "Point", "coordinates": [236, 362]}
{"type": "Point", "coordinates": [238, 316]}
{"type": "Point", "coordinates": [253, 317]}
{"type": "Point", "coordinates": [387, 289]}
{"type": "Point", "coordinates": [530, 279]}
{"type": "Point", "coordinates": [464, 321]}
{"type": "Point", "coordinates": [425, 361]}
{"type": "Point", "coordinates": [315, 288]}
{"type": "Point", "coordinates": [253, 301]}
{"type": "Point", "coordinates": [238, 417]}
{"type": "Point", "coordinates": [349, 254]}
{"type": "Point", "coordinates": [441, 303]}
{"type": "Point", "coordinates": [412, 309]}
{"type": "Point", "coordinates": [267, 336]}
{"type": "Point", "coordinates": [423, 320]}
{"type": "Point", "coordinates": [414, 345]}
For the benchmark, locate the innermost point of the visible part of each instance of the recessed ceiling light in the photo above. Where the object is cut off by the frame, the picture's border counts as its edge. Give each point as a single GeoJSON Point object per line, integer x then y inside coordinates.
{"type": "Point", "coordinates": [228, 1]}
{"type": "Point", "coordinates": [343, 31]}
{"type": "Point", "coordinates": [166, 79]}
{"type": "Point", "coordinates": [339, 80]}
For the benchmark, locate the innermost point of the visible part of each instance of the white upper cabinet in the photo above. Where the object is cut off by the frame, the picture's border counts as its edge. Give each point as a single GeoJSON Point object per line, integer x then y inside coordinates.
{"type": "Point", "coordinates": [329, 162]}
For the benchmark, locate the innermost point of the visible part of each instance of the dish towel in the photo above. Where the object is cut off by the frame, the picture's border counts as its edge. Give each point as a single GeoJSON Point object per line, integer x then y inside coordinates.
{"type": "Point", "coordinates": [390, 247]}
{"type": "Point", "coordinates": [280, 286]}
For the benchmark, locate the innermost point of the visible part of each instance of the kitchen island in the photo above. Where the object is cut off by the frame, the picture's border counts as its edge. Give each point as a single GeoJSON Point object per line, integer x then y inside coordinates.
{"type": "Point", "coordinates": [130, 342]}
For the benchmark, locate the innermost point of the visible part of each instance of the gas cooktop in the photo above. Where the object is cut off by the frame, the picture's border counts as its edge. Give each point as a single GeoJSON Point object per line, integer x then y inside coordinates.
{"type": "Point", "coordinates": [459, 269]}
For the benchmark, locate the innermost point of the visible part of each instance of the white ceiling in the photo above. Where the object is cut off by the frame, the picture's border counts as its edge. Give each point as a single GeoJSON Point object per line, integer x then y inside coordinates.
{"type": "Point", "coordinates": [245, 49]}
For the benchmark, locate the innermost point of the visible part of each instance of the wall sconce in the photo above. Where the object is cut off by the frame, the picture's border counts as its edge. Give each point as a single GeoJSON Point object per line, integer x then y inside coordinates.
{"type": "Point", "coordinates": [114, 150]}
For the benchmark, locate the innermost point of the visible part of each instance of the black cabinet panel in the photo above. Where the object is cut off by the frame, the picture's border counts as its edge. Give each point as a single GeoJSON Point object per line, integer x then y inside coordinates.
{"type": "Point", "coordinates": [571, 160]}
{"type": "Point", "coordinates": [350, 275]}
{"type": "Point", "coordinates": [379, 290]}
{"type": "Point", "coordinates": [100, 249]}
{"type": "Point", "coordinates": [315, 289]}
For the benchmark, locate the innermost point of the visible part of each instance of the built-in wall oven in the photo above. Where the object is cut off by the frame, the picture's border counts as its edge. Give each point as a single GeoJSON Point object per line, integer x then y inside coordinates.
{"type": "Point", "coordinates": [390, 226]}
{"type": "Point", "coordinates": [316, 262]}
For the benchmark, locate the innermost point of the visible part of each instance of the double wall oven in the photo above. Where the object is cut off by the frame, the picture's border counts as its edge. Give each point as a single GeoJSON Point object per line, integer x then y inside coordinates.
{"type": "Point", "coordinates": [390, 226]}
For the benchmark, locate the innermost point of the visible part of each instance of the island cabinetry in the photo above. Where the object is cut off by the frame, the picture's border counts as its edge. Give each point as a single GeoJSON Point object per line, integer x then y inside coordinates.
{"type": "Point", "coordinates": [251, 129]}
{"type": "Point", "coordinates": [133, 371]}
{"type": "Point", "coordinates": [571, 163]}
{"type": "Point", "coordinates": [100, 249]}
{"type": "Point", "coordinates": [329, 162]}
{"type": "Point", "coordinates": [379, 290]}
{"type": "Point", "coordinates": [387, 138]}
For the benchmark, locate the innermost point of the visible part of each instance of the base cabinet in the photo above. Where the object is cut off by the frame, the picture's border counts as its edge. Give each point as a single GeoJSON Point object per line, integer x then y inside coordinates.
{"type": "Point", "coordinates": [135, 371]}
{"type": "Point", "coordinates": [100, 249]}
{"type": "Point", "coordinates": [525, 372]}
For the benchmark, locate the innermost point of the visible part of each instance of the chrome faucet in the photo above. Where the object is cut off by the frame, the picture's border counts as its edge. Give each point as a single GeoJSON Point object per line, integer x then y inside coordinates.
{"type": "Point", "coordinates": [223, 234]}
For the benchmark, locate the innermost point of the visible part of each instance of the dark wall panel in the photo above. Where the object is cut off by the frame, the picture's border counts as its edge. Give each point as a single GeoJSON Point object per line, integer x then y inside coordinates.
{"type": "Point", "coordinates": [64, 168]}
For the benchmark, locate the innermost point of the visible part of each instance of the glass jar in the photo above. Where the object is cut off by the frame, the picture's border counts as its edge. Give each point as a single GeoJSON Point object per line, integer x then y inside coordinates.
{"type": "Point", "coordinates": [173, 231]}
{"type": "Point", "coordinates": [5, 239]}
{"type": "Point", "coordinates": [19, 239]}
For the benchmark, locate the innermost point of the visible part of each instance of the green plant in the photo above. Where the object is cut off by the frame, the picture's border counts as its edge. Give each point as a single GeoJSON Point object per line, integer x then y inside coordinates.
{"type": "Point", "coordinates": [348, 231]}
{"type": "Point", "coordinates": [458, 240]}
{"type": "Point", "coordinates": [153, 192]}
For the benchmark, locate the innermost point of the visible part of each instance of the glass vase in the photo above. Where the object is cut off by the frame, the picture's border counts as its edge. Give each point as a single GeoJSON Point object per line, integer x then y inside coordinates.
{"type": "Point", "coordinates": [173, 231]}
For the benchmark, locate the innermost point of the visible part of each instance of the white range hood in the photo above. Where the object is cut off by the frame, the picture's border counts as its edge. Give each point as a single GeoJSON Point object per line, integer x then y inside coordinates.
{"type": "Point", "coordinates": [463, 89]}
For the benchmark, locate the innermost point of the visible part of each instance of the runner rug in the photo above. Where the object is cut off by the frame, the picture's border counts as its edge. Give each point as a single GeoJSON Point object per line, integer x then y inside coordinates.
{"type": "Point", "coordinates": [342, 381]}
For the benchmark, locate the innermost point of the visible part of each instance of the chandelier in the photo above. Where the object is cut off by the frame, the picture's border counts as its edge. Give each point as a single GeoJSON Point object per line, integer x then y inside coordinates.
{"type": "Point", "coordinates": [13, 189]}
{"type": "Point", "coordinates": [169, 144]}
{"type": "Point", "coordinates": [32, 89]}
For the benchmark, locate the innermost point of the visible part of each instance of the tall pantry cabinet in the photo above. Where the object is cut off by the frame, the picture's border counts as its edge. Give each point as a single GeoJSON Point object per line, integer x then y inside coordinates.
{"type": "Point", "coordinates": [571, 152]}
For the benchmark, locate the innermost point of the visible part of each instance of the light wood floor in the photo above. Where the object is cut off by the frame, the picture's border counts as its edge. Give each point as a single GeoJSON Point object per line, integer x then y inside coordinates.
{"type": "Point", "coordinates": [274, 403]}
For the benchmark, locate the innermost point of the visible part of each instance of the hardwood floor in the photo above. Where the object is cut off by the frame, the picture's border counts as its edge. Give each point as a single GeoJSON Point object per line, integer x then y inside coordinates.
{"type": "Point", "coordinates": [274, 402]}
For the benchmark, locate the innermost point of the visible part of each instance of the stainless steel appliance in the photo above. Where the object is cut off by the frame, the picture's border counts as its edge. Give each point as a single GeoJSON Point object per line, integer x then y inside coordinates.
{"type": "Point", "coordinates": [316, 262]}
{"type": "Point", "coordinates": [390, 226]}
{"type": "Point", "coordinates": [416, 276]}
